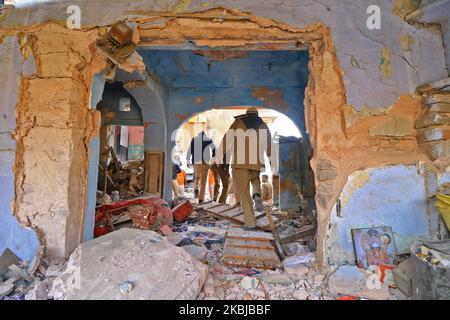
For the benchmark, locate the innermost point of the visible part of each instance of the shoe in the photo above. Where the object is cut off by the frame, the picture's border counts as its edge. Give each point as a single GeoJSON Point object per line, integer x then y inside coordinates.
{"type": "Point", "coordinates": [200, 201]}
{"type": "Point", "coordinates": [195, 194]}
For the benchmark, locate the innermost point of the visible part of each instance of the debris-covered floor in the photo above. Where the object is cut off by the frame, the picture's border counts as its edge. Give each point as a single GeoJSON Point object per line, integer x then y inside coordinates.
{"type": "Point", "coordinates": [202, 240]}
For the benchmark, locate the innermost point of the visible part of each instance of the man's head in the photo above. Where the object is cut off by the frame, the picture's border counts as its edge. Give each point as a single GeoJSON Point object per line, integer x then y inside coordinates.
{"type": "Point", "coordinates": [265, 178]}
{"type": "Point", "coordinates": [252, 110]}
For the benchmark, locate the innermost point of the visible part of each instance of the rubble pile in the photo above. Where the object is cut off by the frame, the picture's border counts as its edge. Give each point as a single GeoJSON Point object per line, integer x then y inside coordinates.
{"type": "Point", "coordinates": [25, 279]}
{"type": "Point", "coordinates": [123, 181]}
{"type": "Point", "coordinates": [132, 264]}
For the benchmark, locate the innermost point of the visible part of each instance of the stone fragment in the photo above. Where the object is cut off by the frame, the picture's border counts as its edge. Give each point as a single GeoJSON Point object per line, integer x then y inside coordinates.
{"type": "Point", "coordinates": [440, 150]}
{"type": "Point", "coordinates": [53, 270]}
{"type": "Point", "coordinates": [6, 259]}
{"type": "Point", "coordinates": [6, 288]}
{"type": "Point", "coordinates": [248, 296]}
{"type": "Point", "coordinates": [443, 107]}
{"type": "Point", "coordinates": [125, 287]}
{"type": "Point", "coordinates": [156, 268]}
{"type": "Point", "coordinates": [248, 283]}
{"type": "Point", "coordinates": [431, 119]}
{"type": "Point", "coordinates": [220, 293]}
{"type": "Point", "coordinates": [19, 272]}
{"type": "Point", "coordinates": [300, 294]}
{"type": "Point", "coordinates": [209, 288]}
{"type": "Point", "coordinates": [299, 271]}
{"type": "Point", "coordinates": [40, 291]}
{"type": "Point", "coordinates": [197, 252]}
{"type": "Point", "coordinates": [34, 265]}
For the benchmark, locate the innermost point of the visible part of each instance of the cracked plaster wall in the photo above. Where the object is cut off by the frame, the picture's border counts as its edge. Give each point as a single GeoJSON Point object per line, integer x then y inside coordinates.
{"type": "Point", "coordinates": [361, 81]}
{"type": "Point", "coordinates": [371, 199]}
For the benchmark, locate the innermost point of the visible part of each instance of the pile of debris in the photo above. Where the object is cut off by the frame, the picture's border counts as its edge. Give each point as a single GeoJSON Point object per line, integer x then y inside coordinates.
{"type": "Point", "coordinates": [27, 280]}
{"type": "Point", "coordinates": [121, 180]}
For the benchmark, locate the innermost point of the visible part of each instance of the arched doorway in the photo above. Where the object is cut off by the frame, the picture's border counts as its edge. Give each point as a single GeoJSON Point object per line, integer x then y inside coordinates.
{"type": "Point", "coordinates": [290, 172]}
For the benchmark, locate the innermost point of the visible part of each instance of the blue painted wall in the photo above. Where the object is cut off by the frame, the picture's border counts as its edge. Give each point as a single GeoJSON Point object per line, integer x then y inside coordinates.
{"type": "Point", "coordinates": [98, 84]}
{"type": "Point", "coordinates": [197, 83]}
{"type": "Point", "coordinates": [190, 83]}
{"type": "Point", "coordinates": [22, 241]}
{"type": "Point", "coordinates": [393, 196]}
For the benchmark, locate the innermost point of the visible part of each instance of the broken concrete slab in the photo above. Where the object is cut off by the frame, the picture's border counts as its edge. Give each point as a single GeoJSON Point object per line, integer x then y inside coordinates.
{"type": "Point", "coordinates": [197, 252]}
{"type": "Point", "coordinates": [40, 290]}
{"type": "Point", "coordinates": [20, 273]}
{"type": "Point", "coordinates": [155, 268]}
{"type": "Point", "coordinates": [299, 271]}
{"type": "Point", "coordinates": [5, 289]}
{"type": "Point", "coordinates": [6, 259]}
{"type": "Point", "coordinates": [34, 265]}
{"type": "Point", "coordinates": [350, 280]}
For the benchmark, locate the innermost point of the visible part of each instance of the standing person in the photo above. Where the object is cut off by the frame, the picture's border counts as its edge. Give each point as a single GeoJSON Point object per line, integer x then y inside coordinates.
{"type": "Point", "coordinates": [221, 173]}
{"type": "Point", "coordinates": [176, 169]}
{"type": "Point", "coordinates": [181, 177]}
{"type": "Point", "coordinates": [267, 189]}
{"type": "Point", "coordinates": [182, 181]}
{"type": "Point", "coordinates": [247, 139]}
{"type": "Point", "coordinates": [211, 184]}
{"type": "Point", "coordinates": [199, 153]}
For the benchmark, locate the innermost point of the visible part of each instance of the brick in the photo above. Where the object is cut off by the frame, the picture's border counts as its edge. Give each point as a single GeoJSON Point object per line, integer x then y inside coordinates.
{"type": "Point", "coordinates": [439, 150]}
{"type": "Point", "coordinates": [430, 134]}
{"type": "Point", "coordinates": [443, 107]}
{"type": "Point", "coordinates": [436, 98]}
{"type": "Point", "coordinates": [431, 119]}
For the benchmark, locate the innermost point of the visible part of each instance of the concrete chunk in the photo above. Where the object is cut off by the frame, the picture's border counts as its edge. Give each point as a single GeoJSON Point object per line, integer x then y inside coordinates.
{"type": "Point", "coordinates": [6, 259]}
{"type": "Point", "coordinates": [155, 268]}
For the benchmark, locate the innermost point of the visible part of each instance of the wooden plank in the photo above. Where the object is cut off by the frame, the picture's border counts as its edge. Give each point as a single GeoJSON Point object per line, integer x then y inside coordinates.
{"type": "Point", "coordinates": [241, 233]}
{"type": "Point", "coordinates": [304, 231]}
{"type": "Point", "coordinates": [250, 257]}
{"type": "Point", "coordinates": [219, 208]}
{"type": "Point", "coordinates": [249, 249]}
{"type": "Point", "coordinates": [206, 205]}
{"type": "Point", "coordinates": [154, 172]}
{"type": "Point", "coordinates": [249, 244]}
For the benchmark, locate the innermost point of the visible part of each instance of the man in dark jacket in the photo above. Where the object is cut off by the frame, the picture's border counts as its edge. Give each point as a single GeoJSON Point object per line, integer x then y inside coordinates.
{"type": "Point", "coordinates": [200, 152]}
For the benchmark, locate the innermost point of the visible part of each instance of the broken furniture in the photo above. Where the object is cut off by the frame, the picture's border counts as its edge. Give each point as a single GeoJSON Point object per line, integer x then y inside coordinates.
{"type": "Point", "coordinates": [182, 209]}
{"type": "Point", "coordinates": [127, 178]}
{"type": "Point", "coordinates": [146, 213]}
{"type": "Point", "coordinates": [250, 249]}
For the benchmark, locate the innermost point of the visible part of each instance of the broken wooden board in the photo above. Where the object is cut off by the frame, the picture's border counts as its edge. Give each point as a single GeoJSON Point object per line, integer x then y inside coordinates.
{"type": "Point", "coordinates": [303, 232]}
{"type": "Point", "coordinates": [225, 211]}
{"type": "Point", "coordinates": [249, 249]}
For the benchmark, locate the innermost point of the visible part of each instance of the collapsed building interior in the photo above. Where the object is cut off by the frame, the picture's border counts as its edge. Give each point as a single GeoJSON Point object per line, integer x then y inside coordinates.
{"type": "Point", "coordinates": [101, 125]}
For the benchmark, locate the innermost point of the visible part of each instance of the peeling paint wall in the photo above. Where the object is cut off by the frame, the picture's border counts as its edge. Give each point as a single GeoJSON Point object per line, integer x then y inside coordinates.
{"type": "Point", "coordinates": [54, 127]}
{"type": "Point", "coordinates": [360, 106]}
{"type": "Point", "coordinates": [22, 241]}
{"type": "Point", "coordinates": [391, 196]}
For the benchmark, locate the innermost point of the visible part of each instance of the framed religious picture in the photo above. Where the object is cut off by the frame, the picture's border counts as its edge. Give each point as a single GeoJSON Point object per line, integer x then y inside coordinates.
{"type": "Point", "coordinates": [374, 246]}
